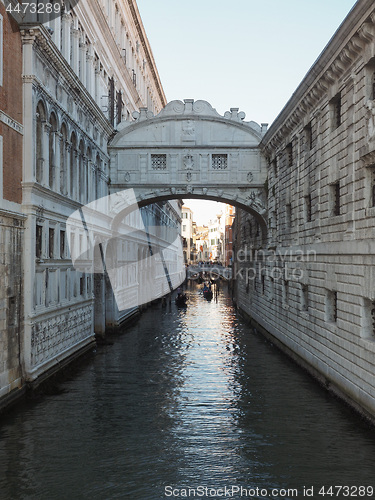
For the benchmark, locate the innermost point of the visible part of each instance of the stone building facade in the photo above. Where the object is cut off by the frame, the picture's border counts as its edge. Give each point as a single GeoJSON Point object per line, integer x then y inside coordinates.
{"type": "Point", "coordinates": [311, 286]}
{"type": "Point", "coordinates": [65, 86]}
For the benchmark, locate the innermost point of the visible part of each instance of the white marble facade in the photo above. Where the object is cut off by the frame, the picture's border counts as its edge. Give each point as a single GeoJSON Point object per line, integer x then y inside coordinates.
{"type": "Point", "coordinates": [83, 75]}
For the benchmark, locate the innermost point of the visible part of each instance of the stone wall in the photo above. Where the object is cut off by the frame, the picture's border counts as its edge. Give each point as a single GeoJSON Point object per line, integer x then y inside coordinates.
{"type": "Point", "coordinates": [11, 303]}
{"type": "Point", "coordinates": [312, 286]}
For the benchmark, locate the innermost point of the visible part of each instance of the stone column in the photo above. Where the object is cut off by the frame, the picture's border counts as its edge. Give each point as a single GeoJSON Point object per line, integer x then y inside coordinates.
{"type": "Point", "coordinates": [90, 74]}
{"type": "Point", "coordinates": [82, 61]}
{"type": "Point", "coordinates": [75, 174]}
{"type": "Point", "coordinates": [65, 42]}
{"type": "Point", "coordinates": [97, 84]}
{"type": "Point", "coordinates": [57, 163]}
{"type": "Point", "coordinates": [75, 34]}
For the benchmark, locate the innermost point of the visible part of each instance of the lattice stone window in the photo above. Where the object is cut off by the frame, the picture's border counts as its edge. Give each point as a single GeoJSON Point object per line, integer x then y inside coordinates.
{"type": "Point", "coordinates": [289, 154]}
{"type": "Point", "coordinates": [336, 111]}
{"type": "Point", "coordinates": [158, 162]}
{"type": "Point", "coordinates": [219, 161]}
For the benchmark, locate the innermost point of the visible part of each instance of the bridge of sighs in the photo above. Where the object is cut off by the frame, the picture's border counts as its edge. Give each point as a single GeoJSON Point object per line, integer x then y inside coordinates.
{"type": "Point", "coordinates": [190, 151]}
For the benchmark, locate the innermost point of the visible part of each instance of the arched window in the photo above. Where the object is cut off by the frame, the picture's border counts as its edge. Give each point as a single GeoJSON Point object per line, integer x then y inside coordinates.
{"type": "Point", "coordinates": [89, 190]}
{"type": "Point", "coordinates": [40, 159]}
{"type": "Point", "coordinates": [81, 175]}
{"type": "Point", "coordinates": [73, 153]}
{"type": "Point", "coordinates": [52, 167]}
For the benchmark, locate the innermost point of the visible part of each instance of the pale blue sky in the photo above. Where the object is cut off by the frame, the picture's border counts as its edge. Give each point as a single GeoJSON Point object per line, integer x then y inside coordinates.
{"type": "Point", "coordinates": [247, 54]}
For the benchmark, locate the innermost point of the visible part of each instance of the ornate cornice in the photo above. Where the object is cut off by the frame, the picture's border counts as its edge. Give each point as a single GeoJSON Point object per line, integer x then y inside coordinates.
{"type": "Point", "coordinates": [146, 47]}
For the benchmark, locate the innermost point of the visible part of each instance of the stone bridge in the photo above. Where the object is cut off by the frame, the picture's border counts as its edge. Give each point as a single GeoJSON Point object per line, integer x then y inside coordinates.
{"type": "Point", "coordinates": [187, 151]}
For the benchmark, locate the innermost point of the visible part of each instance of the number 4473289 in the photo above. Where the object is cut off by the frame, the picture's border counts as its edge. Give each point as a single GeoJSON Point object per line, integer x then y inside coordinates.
{"type": "Point", "coordinates": [346, 491]}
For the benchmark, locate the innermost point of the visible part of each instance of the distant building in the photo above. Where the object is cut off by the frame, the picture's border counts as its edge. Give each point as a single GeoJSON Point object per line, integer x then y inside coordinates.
{"type": "Point", "coordinates": [187, 234]}
{"type": "Point", "coordinates": [229, 215]}
{"type": "Point", "coordinates": [201, 244]}
{"type": "Point", "coordinates": [216, 231]}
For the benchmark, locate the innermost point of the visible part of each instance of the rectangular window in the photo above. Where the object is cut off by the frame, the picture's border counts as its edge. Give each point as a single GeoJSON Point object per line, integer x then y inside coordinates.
{"type": "Point", "coordinates": [38, 241]}
{"type": "Point", "coordinates": [289, 154]}
{"type": "Point", "coordinates": [274, 167]}
{"type": "Point", "coordinates": [336, 111]}
{"type": "Point", "coordinates": [158, 162]}
{"type": "Point", "coordinates": [308, 215]}
{"type": "Point", "coordinates": [304, 298]}
{"type": "Point", "coordinates": [286, 293]}
{"type": "Point", "coordinates": [219, 161]}
{"type": "Point", "coordinates": [308, 137]}
{"type": "Point", "coordinates": [51, 243]}
{"type": "Point", "coordinates": [335, 199]}
{"type": "Point", "coordinates": [134, 74]}
{"type": "Point", "coordinates": [62, 244]}
{"type": "Point", "coordinates": [119, 105]}
{"type": "Point", "coordinates": [288, 215]}
{"type": "Point", "coordinates": [111, 100]}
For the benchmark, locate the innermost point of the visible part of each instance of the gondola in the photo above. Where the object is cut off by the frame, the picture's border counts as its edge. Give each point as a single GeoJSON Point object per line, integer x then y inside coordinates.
{"type": "Point", "coordinates": [181, 300]}
{"type": "Point", "coordinates": [207, 294]}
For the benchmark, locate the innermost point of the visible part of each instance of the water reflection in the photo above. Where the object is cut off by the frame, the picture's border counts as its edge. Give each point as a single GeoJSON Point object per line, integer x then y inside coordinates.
{"type": "Point", "coordinates": [186, 397]}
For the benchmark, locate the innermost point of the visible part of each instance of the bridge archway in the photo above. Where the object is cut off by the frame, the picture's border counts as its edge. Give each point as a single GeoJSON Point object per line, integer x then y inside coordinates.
{"type": "Point", "coordinates": [187, 151]}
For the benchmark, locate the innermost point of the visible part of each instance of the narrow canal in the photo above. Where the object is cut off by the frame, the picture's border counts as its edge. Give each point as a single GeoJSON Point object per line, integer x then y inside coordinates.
{"type": "Point", "coordinates": [186, 398]}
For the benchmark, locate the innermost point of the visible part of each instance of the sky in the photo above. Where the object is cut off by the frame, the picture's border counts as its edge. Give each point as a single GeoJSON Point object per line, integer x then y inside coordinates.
{"type": "Point", "coordinates": [247, 54]}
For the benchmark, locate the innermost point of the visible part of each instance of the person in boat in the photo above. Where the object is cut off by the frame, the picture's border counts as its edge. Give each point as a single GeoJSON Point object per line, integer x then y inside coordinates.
{"type": "Point", "coordinates": [181, 298]}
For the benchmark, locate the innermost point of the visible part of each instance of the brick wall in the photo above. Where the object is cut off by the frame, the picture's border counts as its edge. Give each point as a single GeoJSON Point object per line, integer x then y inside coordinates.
{"type": "Point", "coordinates": [11, 104]}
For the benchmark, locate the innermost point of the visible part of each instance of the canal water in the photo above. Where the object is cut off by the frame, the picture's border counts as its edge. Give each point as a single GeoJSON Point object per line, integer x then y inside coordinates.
{"type": "Point", "coordinates": [186, 398]}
